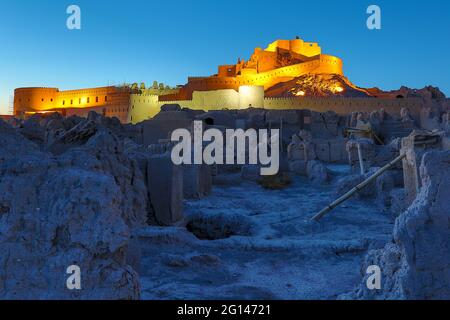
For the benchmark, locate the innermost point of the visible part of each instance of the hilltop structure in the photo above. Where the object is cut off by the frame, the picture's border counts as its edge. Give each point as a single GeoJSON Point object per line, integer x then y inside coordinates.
{"type": "Point", "coordinates": [281, 61]}
{"type": "Point", "coordinates": [288, 74]}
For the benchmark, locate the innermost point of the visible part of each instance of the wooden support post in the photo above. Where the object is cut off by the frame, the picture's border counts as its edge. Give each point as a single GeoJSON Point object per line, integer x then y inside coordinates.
{"type": "Point", "coordinates": [361, 160]}
{"type": "Point", "coordinates": [362, 185]}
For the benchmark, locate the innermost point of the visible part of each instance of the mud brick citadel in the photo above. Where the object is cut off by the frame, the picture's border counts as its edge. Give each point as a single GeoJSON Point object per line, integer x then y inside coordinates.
{"type": "Point", "coordinates": [87, 178]}
{"type": "Point", "coordinates": [288, 74]}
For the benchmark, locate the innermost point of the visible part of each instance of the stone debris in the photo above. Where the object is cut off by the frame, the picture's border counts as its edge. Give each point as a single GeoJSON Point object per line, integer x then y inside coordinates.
{"type": "Point", "coordinates": [78, 135]}
{"type": "Point", "coordinates": [59, 212]}
{"type": "Point", "coordinates": [301, 147]}
{"type": "Point", "coordinates": [77, 191]}
{"type": "Point", "coordinates": [317, 173]}
{"type": "Point", "coordinates": [416, 264]}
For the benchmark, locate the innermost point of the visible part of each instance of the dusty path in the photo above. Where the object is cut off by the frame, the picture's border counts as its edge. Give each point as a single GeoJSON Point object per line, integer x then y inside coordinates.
{"type": "Point", "coordinates": [268, 257]}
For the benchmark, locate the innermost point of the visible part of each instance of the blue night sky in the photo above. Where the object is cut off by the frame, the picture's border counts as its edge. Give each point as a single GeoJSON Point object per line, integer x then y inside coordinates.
{"type": "Point", "coordinates": [142, 41]}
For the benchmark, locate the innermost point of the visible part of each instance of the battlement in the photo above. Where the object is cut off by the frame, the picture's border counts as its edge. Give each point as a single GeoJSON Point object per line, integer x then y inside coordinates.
{"type": "Point", "coordinates": [307, 49]}
{"type": "Point", "coordinates": [253, 96]}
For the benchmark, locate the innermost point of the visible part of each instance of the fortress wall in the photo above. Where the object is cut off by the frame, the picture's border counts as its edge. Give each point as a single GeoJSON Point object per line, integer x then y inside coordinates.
{"type": "Point", "coordinates": [216, 100]}
{"type": "Point", "coordinates": [330, 64]}
{"type": "Point", "coordinates": [270, 78]}
{"type": "Point", "coordinates": [344, 106]}
{"type": "Point", "coordinates": [134, 108]}
{"type": "Point", "coordinates": [227, 98]}
{"type": "Point", "coordinates": [251, 96]}
{"type": "Point", "coordinates": [82, 112]}
{"type": "Point", "coordinates": [34, 99]}
{"type": "Point", "coordinates": [109, 101]}
{"type": "Point", "coordinates": [308, 49]}
{"type": "Point", "coordinates": [323, 64]}
{"type": "Point", "coordinates": [142, 107]}
{"type": "Point", "coordinates": [266, 79]}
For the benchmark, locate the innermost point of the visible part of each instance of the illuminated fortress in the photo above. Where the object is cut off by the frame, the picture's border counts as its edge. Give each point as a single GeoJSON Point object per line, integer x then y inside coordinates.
{"type": "Point", "coordinates": [239, 86]}
{"type": "Point", "coordinates": [111, 101]}
{"type": "Point", "coordinates": [281, 61]}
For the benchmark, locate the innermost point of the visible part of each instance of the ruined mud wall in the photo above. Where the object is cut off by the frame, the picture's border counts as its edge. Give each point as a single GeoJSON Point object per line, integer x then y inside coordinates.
{"type": "Point", "coordinates": [73, 206]}
{"type": "Point", "coordinates": [416, 265]}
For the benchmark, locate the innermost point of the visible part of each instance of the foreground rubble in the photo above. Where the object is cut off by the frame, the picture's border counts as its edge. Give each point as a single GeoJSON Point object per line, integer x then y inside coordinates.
{"type": "Point", "coordinates": [74, 209]}
{"type": "Point", "coordinates": [107, 198]}
{"type": "Point", "coordinates": [416, 264]}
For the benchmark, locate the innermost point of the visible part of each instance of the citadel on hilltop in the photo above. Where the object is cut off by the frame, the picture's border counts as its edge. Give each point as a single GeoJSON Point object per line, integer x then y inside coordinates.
{"type": "Point", "coordinates": [281, 61]}
{"type": "Point", "coordinates": [238, 86]}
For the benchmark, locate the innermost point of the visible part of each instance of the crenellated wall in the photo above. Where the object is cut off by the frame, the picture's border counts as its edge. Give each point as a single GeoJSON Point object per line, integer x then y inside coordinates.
{"type": "Point", "coordinates": [281, 61]}
{"type": "Point", "coordinates": [344, 106]}
{"type": "Point", "coordinates": [307, 49]}
{"type": "Point", "coordinates": [323, 64]}
{"type": "Point", "coordinates": [109, 101]}
{"type": "Point", "coordinates": [131, 107]}
{"type": "Point", "coordinates": [340, 105]}
{"type": "Point", "coordinates": [142, 107]}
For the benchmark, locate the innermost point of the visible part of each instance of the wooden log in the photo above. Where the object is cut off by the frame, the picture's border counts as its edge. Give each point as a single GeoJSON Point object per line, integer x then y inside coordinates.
{"type": "Point", "coordinates": [362, 185]}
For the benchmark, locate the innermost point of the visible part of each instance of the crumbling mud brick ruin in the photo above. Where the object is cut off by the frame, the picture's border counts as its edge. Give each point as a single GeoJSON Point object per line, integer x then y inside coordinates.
{"type": "Point", "coordinates": [86, 179]}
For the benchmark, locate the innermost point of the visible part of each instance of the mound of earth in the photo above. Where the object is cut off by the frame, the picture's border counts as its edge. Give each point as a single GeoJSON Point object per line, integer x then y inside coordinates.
{"type": "Point", "coordinates": [316, 85]}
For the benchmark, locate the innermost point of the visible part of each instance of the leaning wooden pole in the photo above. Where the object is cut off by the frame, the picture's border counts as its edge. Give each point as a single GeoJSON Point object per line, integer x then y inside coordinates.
{"type": "Point", "coordinates": [362, 185]}
{"type": "Point", "coordinates": [361, 160]}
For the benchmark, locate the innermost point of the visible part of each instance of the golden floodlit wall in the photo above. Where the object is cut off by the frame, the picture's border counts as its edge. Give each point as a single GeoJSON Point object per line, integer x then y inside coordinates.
{"type": "Point", "coordinates": [308, 49]}
{"type": "Point", "coordinates": [134, 108]}
{"type": "Point", "coordinates": [109, 101]}
{"type": "Point", "coordinates": [223, 99]}
{"type": "Point", "coordinates": [266, 68]}
{"type": "Point", "coordinates": [143, 107]}
{"type": "Point", "coordinates": [146, 107]}
{"type": "Point", "coordinates": [324, 64]}
{"type": "Point", "coordinates": [251, 96]}
{"type": "Point", "coordinates": [340, 105]}
{"type": "Point", "coordinates": [344, 106]}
